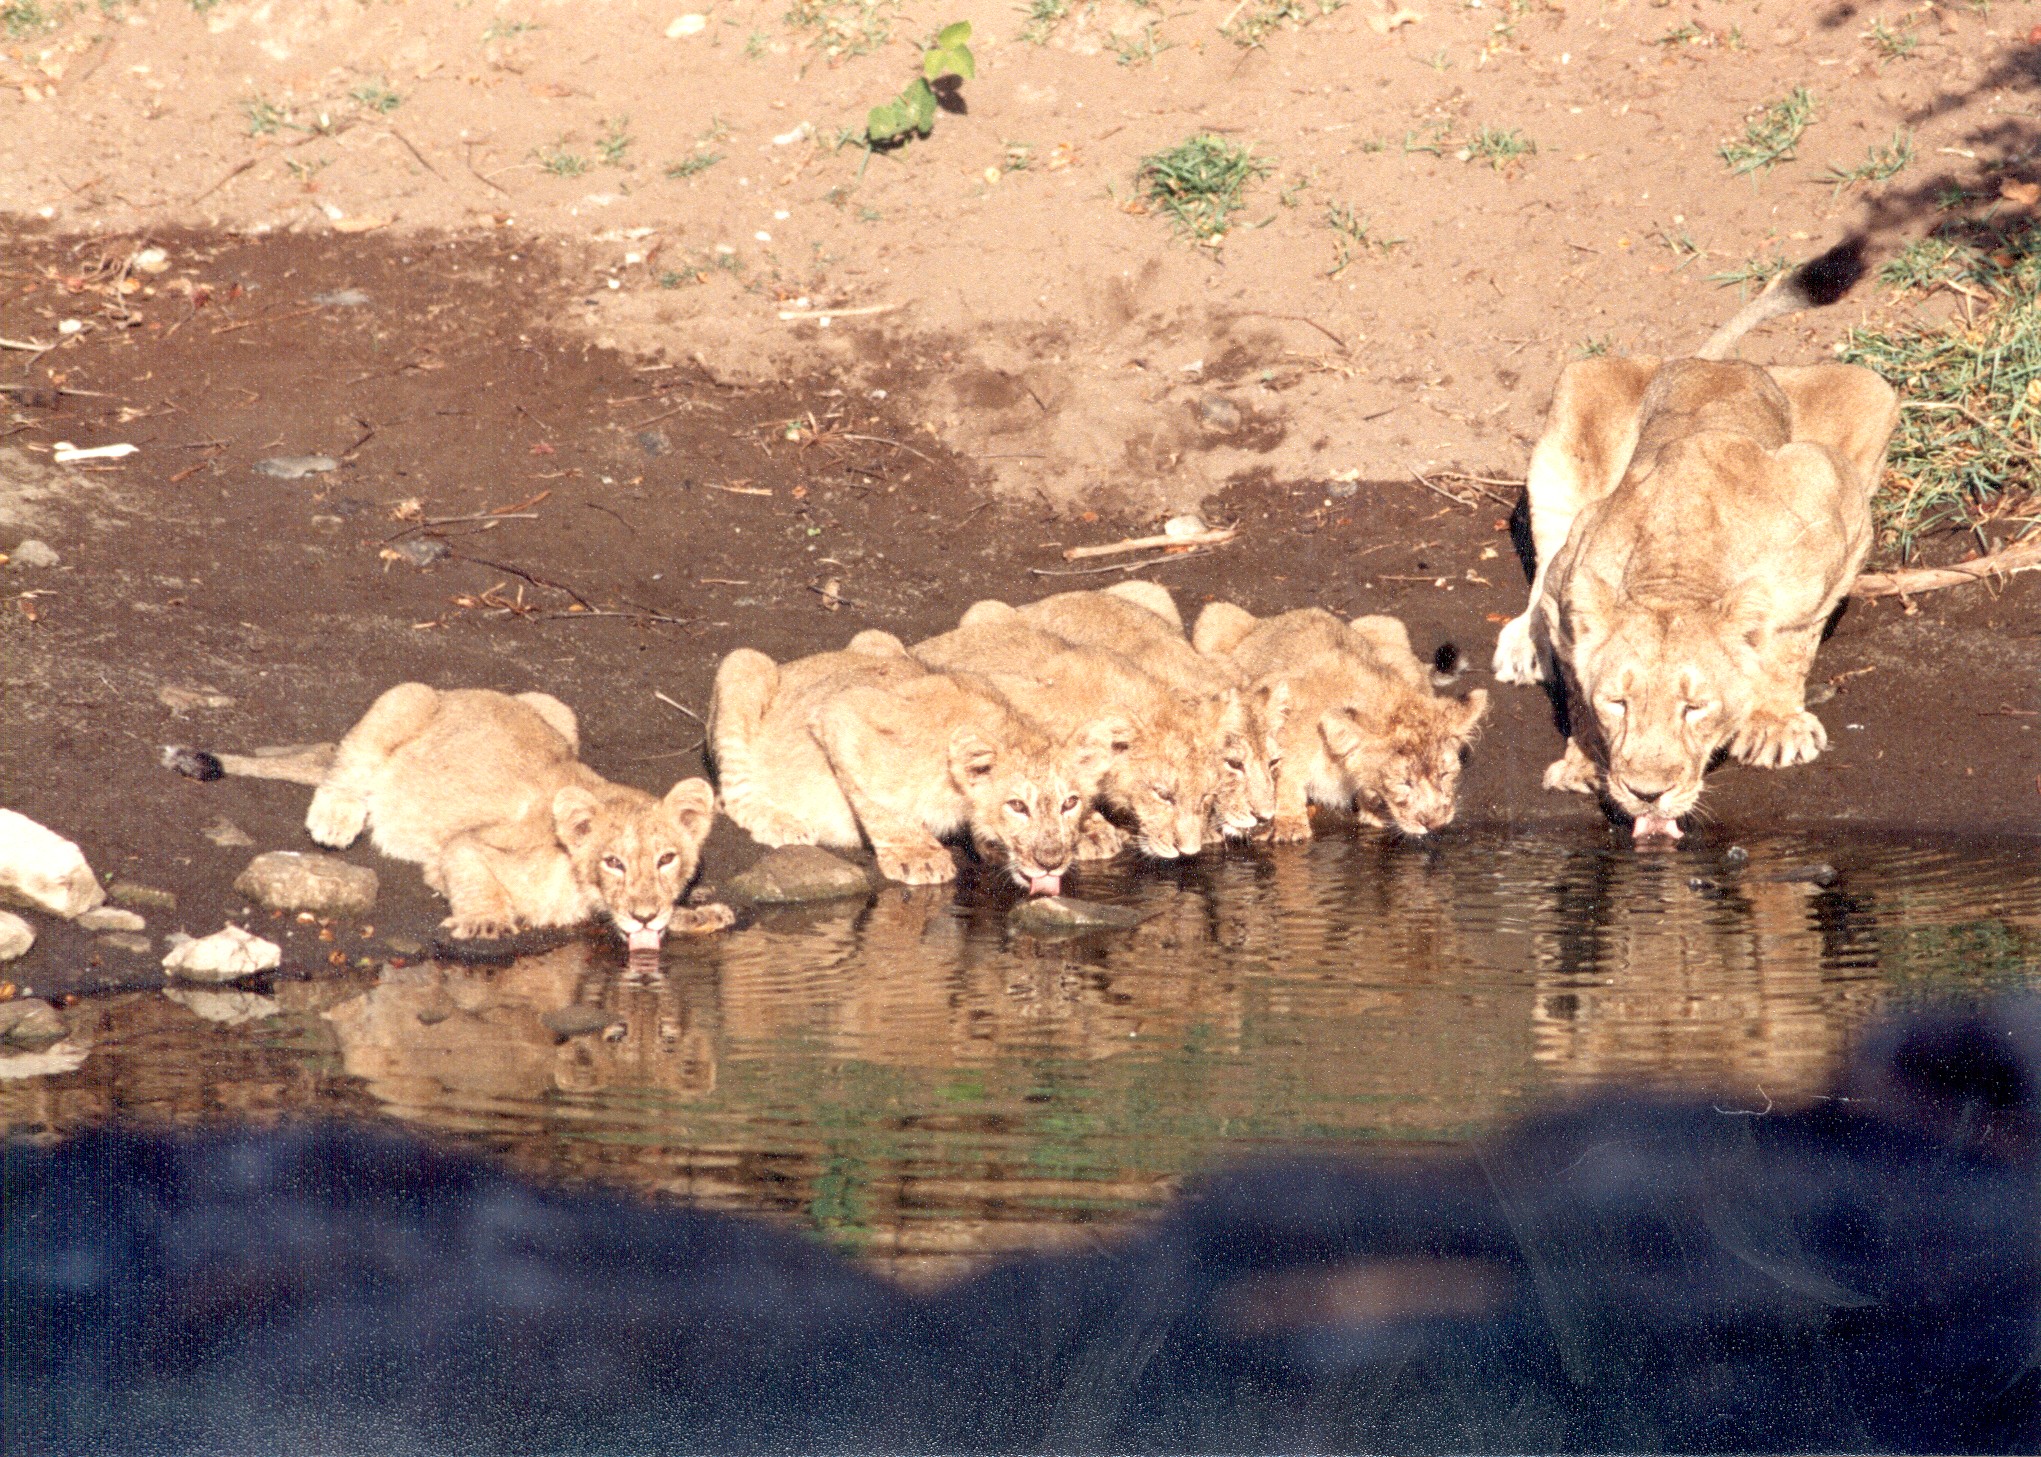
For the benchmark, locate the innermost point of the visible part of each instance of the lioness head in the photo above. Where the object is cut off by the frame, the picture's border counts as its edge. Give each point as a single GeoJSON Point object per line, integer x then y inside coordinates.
{"type": "Point", "coordinates": [632, 855]}
{"type": "Point", "coordinates": [1406, 770]}
{"type": "Point", "coordinates": [1026, 798]}
{"type": "Point", "coordinates": [1666, 687]}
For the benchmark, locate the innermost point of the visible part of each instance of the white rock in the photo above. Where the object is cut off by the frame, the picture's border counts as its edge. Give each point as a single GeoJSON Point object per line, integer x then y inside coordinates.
{"type": "Point", "coordinates": [229, 1009]}
{"type": "Point", "coordinates": [64, 1057]}
{"type": "Point", "coordinates": [689, 24]}
{"type": "Point", "coordinates": [43, 868]}
{"type": "Point", "coordinates": [33, 553]}
{"type": "Point", "coordinates": [16, 936]}
{"type": "Point", "coordinates": [111, 918]}
{"type": "Point", "coordinates": [226, 955]}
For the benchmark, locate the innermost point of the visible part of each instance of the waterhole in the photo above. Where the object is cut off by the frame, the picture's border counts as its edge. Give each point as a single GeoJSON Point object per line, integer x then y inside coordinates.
{"type": "Point", "coordinates": [920, 1085]}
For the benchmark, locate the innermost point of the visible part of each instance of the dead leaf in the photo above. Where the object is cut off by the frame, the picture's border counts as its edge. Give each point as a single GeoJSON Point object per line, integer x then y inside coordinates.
{"type": "Point", "coordinates": [2024, 194]}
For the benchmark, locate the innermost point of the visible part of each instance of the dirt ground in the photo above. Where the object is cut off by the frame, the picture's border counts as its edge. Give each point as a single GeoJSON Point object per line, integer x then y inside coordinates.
{"type": "Point", "coordinates": [635, 462]}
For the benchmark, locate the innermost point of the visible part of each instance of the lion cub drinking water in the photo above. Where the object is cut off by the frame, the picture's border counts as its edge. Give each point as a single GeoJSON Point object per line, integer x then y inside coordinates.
{"type": "Point", "coordinates": [1364, 731]}
{"type": "Point", "coordinates": [484, 790]}
{"type": "Point", "coordinates": [866, 743]}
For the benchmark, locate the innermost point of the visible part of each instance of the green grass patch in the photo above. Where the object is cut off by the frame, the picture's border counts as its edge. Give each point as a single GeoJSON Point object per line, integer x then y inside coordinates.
{"type": "Point", "coordinates": [23, 18]}
{"type": "Point", "coordinates": [1253, 23]}
{"type": "Point", "coordinates": [1500, 149]}
{"type": "Point", "coordinates": [1880, 164]}
{"type": "Point", "coordinates": [1200, 183]}
{"type": "Point", "coordinates": [844, 27]}
{"type": "Point", "coordinates": [1771, 135]}
{"type": "Point", "coordinates": [1759, 271]}
{"type": "Point", "coordinates": [1969, 437]}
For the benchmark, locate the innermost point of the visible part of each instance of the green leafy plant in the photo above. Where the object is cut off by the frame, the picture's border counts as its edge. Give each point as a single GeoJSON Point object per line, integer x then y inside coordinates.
{"type": "Point", "coordinates": [1890, 44]}
{"type": "Point", "coordinates": [1198, 184]}
{"type": "Point", "coordinates": [1759, 271]}
{"type": "Point", "coordinates": [376, 96]}
{"type": "Point", "coordinates": [26, 17]}
{"type": "Point", "coordinates": [912, 112]}
{"type": "Point", "coordinates": [1352, 231]}
{"type": "Point", "coordinates": [1498, 148]}
{"type": "Point", "coordinates": [1879, 164]}
{"type": "Point", "coordinates": [557, 160]}
{"type": "Point", "coordinates": [1771, 135]}
{"type": "Point", "coordinates": [1043, 18]}
{"type": "Point", "coordinates": [700, 162]}
{"type": "Point", "coordinates": [615, 141]}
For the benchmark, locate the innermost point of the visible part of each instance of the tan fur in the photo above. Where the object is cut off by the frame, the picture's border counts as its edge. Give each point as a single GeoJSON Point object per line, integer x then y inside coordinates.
{"type": "Point", "coordinates": [1140, 622]}
{"type": "Point", "coordinates": [867, 744]}
{"type": "Point", "coordinates": [1365, 731]}
{"type": "Point", "coordinates": [1696, 523]}
{"type": "Point", "coordinates": [1162, 773]}
{"type": "Point", "coordinates": [483, 789]}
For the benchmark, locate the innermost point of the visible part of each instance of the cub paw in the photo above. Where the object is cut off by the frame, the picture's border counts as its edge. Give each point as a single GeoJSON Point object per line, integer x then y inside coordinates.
{"type": "Point", "coordinates": [1289, 829]}
{"type": "Point", "coordinates": [1099, 839]}
{"type": "Point", "coordinates": [1516, 653]}
{"type": "Point", "coordinates": [772, 828]}
{"type": "Point", "coordinates": [479, 927]}
{"type": "Point", "coordinates": [1573, 772]}
{"type": "Point", "coordinates": [913, 866]}
{"type": "Point", "coordinates": [336, 818]}
{"type": "Point", "coordinates": [701, 920]}
{"type": "Point", "coordinates": [1776, 740]}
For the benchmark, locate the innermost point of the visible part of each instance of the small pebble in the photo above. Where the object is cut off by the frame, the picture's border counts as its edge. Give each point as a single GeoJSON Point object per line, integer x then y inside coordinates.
{"type": "Point", "coordinates": [1736, 855]}
{"type": "Point", "coordinates": [110, 918]}
{"type": "Point", "coordinates": [133, 945]}
{"type": "Point", "coordinates": [420, 551]}
{"type": "Point", "coordinates": [224, 832]}
{"type": "Point", "coordinates": [296, 467]}
{"type": "Point", "coordinates": [30, 1022]}
{"type": "Point", "coordinates": [33, 553]}
{"type": "Point", "coordinates": [1220, 413]}
{"type": "Point", "coordinates": [341, 298]}
{"type": "Point", "coordinates": [131, 893]}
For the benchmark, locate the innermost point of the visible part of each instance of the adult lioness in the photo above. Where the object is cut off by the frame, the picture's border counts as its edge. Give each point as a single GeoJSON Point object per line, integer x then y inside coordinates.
{"type": "Point", "coordinates": [866, 744]}
{"type": "Point", "coordinates": [1139, 621]}
{"type": "Point", "coordinates": [1696, 523]}
{"type": "Point", "coordinates": [484, 790]}
{"type": "Point", "coordinates": [1365, 730]}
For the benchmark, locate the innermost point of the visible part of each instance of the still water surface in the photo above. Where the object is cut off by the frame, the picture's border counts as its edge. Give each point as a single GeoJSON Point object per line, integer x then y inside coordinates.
{"type": "Point", "coordinates": [927, 1088]}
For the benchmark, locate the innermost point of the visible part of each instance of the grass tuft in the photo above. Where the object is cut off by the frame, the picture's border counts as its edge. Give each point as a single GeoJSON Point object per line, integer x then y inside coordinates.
{"type": "Point", "coordinates": [1969, 439]}
{"type": "Point", "coordinates": [1771, 135]}
{"type": "Point", "coordinates": [1200, 183]}
{"type": "Point", "coordinates": [1880, 163]}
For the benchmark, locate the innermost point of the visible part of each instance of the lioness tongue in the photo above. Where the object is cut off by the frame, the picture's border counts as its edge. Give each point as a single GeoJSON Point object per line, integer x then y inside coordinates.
{"type": "Point", "coordinates": [1654, 826]}
{"type": "Point", "coordinates": [643, 939]}
{"type": "Point", "coordinates": [1044, 884]}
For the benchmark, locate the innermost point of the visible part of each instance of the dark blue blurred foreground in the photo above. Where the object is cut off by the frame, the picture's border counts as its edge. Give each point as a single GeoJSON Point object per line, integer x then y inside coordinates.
{"type": "Point", "coordinates": [1622, 1274]}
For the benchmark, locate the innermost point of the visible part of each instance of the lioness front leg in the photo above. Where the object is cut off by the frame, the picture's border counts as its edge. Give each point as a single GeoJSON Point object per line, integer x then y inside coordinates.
{"type": "Point", "coordinates": [339, 810]}
{"type": "Point", "coordinates": [1780, 731]}
{"type": "Point", "coordinates": [701, 920]}
{"type": "Point", "coordinates": [1573, 771]}
{"type": "Point", "coordinates": [481, 907]}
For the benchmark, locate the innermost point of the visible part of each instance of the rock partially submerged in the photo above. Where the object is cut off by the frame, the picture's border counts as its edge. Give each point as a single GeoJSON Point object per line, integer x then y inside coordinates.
{"type": "Point", "coordinates": [300, 880]}
{"type": "Point", "coordinates": [228, 1008]}
{"type": "Point", "coordinates": [16, 936]}
{"type": "Point", "coordinates": [40, 866]}
{"type": "Point", "coordinates": [227, 955]}
{"type": "Point", "coordinates": [30, 1022]}
{"type": "Point", "coordinates": [794, 874]}
{"type": "Point", "coordinates": [111, 918]}
{"type": "Point", "coordinates": [1062, 915]}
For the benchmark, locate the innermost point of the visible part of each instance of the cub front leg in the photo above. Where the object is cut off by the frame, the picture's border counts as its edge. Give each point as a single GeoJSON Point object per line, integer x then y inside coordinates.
{"type": "Point", "coordinates": [468, 873]}
{"type": "Point", "coordinates": [905, 849]}
{"type": "Point", "coordinates": [1292, 819]}
{"type": "Point", "coordinates": [1573, 771]}
{"type": "Point", "coordinates": [701, 920]}
{"type": "Point", "coordinates": [1098, 838]}
{"type": "Point", "coordinates": [340, 809]}
{"type": "Point", "coordinates": [1780, 731]}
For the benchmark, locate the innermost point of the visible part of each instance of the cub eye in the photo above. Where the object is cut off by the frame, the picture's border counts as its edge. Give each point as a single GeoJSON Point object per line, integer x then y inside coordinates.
{"type": "Point", "coordinates": [1165, 795]}
{"type": "Point", "coordinates": [1238, 766]}
{"type": "Point", "coordinates": [668, 858]}
{"type": "Point", "coordinates": [614, 862]}
{"type": "Point", "coordinates": [1071, 803]}
{"type": "Point", "coordinates": [1692, 711]}
{"type": "Point", "coordinates": [1018, 807]}
{"type": "Point", "coordinates": [1616, 706]}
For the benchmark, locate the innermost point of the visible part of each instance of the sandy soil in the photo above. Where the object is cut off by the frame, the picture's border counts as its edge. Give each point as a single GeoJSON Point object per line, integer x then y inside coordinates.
{"type": "Point", "coordinates": [675, 470]}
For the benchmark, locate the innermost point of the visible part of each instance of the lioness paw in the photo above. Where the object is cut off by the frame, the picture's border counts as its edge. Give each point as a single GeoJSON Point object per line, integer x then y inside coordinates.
{"type": "Point", "coordinates": [1288, 829]}
{"type": "Point", "coordinates": [701, 920]}
{"type": "Point", "coordinates": [1516, 653]}
{"type": "Point", "coordinates": [1776, 740]}
{"type": "Point", "coordinates": [770, 827]}
{"type": "Point", "coordinates": [336, 818]}
{"type": "Point", "coordinates": [914, 866]}
{"type": "Point", "coordinates": [479, 927]}
{"type": "Point", "coordinates": [1099, 839]}
{"type": "Point", "coordinates": [1573, 772]}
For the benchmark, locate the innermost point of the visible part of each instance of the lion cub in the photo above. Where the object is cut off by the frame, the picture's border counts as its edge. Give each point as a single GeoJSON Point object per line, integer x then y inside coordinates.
{"type": "Point", "coordinates": [1365, 731]}
{"type": "Point", "coordinates": [867, 744]}
{"type": "Point", "coordinates": [1162, 772]}
{"type": "Point", "coordinates": [1139, 621]}
{"type": "Point", "coordinates": [484, 790]}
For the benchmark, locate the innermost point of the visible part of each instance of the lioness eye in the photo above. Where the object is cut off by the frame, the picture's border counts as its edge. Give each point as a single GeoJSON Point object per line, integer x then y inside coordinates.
{"type": "Point", "coordinates": [1238, 766]}
{"type": "Point", "coordinates": [668, 858]}
{"type": "Point", "coordinates": [614, 862]}
{"type": "Point", "coordinates": [1692, 711]}
{"type": "Point", "coordinates": [1616, 705]}
{"type": "Point", "coordinates": [1070, 804]}
{"type": "Point", "coordinates": [1018, 807]}
{"type": "Point", "coordinates": [1164, 795]}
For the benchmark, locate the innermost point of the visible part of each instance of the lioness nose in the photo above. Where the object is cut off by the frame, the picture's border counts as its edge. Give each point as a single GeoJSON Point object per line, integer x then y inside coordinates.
{"type": "Point", "coordinates": [1651, 796]}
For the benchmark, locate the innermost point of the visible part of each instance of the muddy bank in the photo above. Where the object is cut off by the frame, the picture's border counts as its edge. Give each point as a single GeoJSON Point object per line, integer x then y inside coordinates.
{"type": "Point", "coordinates": [605, 527]}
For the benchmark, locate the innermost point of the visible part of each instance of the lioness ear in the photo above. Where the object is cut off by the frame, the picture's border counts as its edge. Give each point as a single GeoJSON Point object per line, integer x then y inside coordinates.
{"type": "Point", "coordinates": [574, 810]}
{"type": "Point", "coordinates": [970, 755]}
{"type": "Point", "coordinates": [1340, 735]}
{"type": "Point", "coordinates": [694, 804]}
{"type": "Point", "coordinates": [1472, 706]}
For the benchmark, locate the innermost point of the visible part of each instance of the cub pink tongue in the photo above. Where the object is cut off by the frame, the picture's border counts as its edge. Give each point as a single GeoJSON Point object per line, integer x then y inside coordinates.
{"type": "Point", "coordinates": [643, 939]}
{"type": "Point", "coordinates": [1045, 884]}
{"type": "Point", "coordinates": [1651, 827]}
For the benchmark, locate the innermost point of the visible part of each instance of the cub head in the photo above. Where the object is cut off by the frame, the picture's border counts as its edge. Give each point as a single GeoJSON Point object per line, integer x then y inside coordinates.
{"type": "Point", "coordinates": [1165, 775]}
{"type": "Point", "coordinates": [1406, 770]}
{"type": "Point", "coordinates": [1248, 755]}
{"type": "Point", "coordinates": [1026, 799]}
{"type": "Point", "coordinates": [631, 857]}
{"type": "Point", "coordinates": [1666, 687]}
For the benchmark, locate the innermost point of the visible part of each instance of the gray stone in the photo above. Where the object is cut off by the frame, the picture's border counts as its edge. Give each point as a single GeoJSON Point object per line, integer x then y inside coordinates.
{"type": "Point", "coordinates": [1220, 413]}
{"type": "Point", "coordinates": [30, 1022]}
{"type": "Point", "coordinates": [296, 467]}
{"type": "Point", "coordinates": [420, 551]}
{"type": "Point", "coordinates": [405, 945]}
{"type": "Point", "coordinates": [227, 955]}
{"type": "Point", "coordinates": [229, 1008]}
{"type": "Point", "coordinates": [793, 874]}
{"type": "Point", "coordinates": [180, 699]}
{"type": "Point", "coordinates": [33, 553]}
{"type": "Point", "coordinates": [226, 834]}
{"type": "Point", "coordinates": [132, 893]}
{"type": "Point", "coordinates": [43, 868]}
{"type": "Point", "coordinates": [577, 1020]}
{"type": "Point", "coordinates": [111, 918]}
{"type": "Point", "coordinates": [1060, 915]}
{"type": "Point", "coordinates": [16, 936]}
{"type": "Point", "coordinates": [133, 945]}
{"type": "Point", "coordinates": [299, 880]}
{"type": "Point", "coordinates": [341, 298]}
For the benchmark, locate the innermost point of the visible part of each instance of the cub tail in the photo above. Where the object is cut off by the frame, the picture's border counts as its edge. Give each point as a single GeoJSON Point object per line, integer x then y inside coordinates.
{"type": "Point", "coordinates": [292, 763]}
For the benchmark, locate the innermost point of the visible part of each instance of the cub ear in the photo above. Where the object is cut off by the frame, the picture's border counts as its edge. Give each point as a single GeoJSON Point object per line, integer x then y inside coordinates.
{"type": "Point", "coordinates": [970, 756]}
{"type": "Point", "coordinates": [1275, 705]}
{"type": "Point", "coordinates": [574, 811]}
{"type": "Point", "coordinates": [1220, 628]}
{"type": "Point", "coordinates": [1151, 595]}
{"type": "Point", "coordinates": [1342, 735]}
{"type": "Point", "coordinates": [874, 643]}
{"type": "Point", "coordinates": [991, 610]}
{"type": "Point", "coordinates": [1386, 634]}
{"type": "Point", "coordinates": [693, 803]}
{"type": "Point", "coordinates": [1092, 747]}
{"type": "Point", "coordinates": [1471, 706]}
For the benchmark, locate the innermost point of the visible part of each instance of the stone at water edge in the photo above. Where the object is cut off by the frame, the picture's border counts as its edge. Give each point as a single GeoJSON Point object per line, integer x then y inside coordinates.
{"type": "Point", "coordinates": [147, 897]}
{"type": "Point", "coordinates": [229, 1008]}
{"type": "Point", "coordinates": [16, 936]}
{"type": "Point", "coordinates": [133, 945]}
{"type": "Point", "coordinates": [300, 880]}
{"type": "Point", "coordinates": [1052, 915]}
{"type": "Point", "coordinates": [30, 1022]}
{"type": "Point", "coordinates": [227, 955]}
{"type": "Point", "coordinates": [45, 869]}
{"type": "Point", "coordinates": [111, 918]}
{"type": "Point", "coordinates": [796, 873]}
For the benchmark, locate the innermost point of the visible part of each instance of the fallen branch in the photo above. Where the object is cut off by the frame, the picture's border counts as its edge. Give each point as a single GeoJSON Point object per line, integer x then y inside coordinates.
{"type": "Point", "coordinates": [788, 316]}
{"type": "Point", "coordinates": [1217, 536]}
{"type": "Point", "coordinates": [1169, 558]}
{"type": "Point", "coordinates": [2022, 556]}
